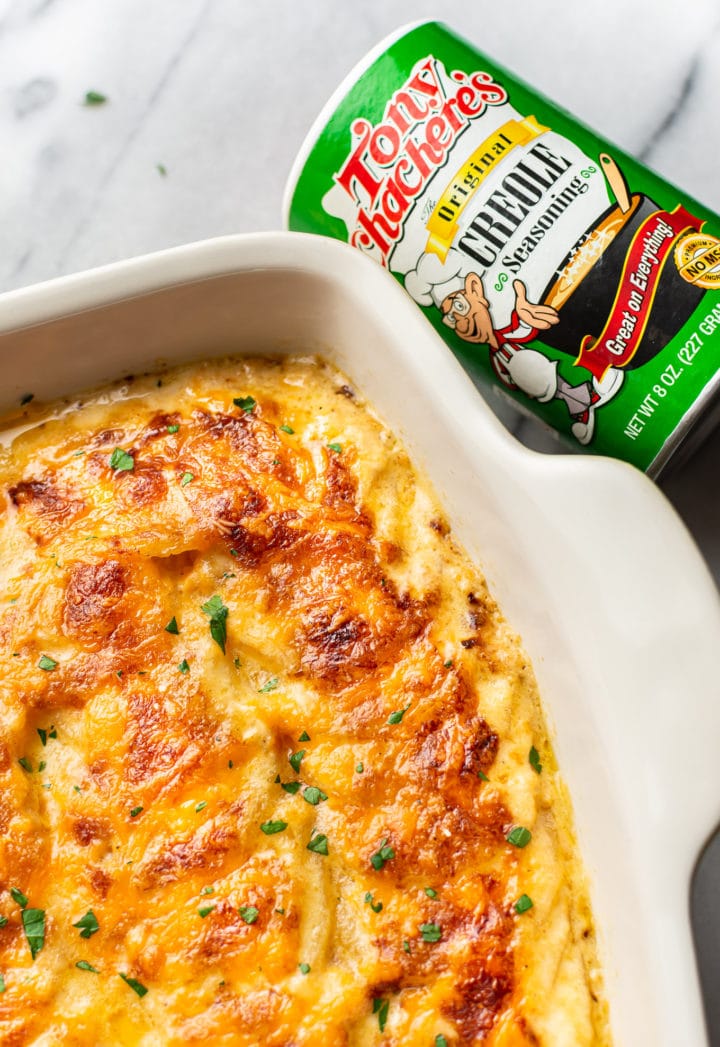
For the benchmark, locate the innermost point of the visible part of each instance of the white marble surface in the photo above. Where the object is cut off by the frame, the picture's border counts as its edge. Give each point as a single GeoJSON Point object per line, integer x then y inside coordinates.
{"type": "Point", "coordinates": [222, 92]}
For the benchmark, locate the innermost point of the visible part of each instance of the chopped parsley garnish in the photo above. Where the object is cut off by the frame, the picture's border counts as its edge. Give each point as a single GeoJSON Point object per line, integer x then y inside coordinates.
{"type": "Point", "coordinates": [381, 1008]}
{"type": "Point", "coordinates": [337, 448]}
{"type": "Point", "coordinates": [430, 932]}
{"type": "Point", "coordinates": [523, 903]}
{"type": "Point", "coordinates": [183, 666]}
{"type": "Point", "coordinates": [135, 812]}
{"type": "Point", "coordinates": [314, 795]}
{"type": "Point", "coordinates": [185, 479]}
{"type": "Point", "coordinates": [270, 828]}
{"type": "Point", "coordinates": [359, 769]}
{"type": "Point", "coordinates": [287, 429]}
{"type": "Point", "coordinates": [375, 906]}
{"type": "Point", "coordinates": [318, 844]}
{"type": "Point", "coordinates": [200, 806]}
{"type": "Point", "coordinates": [41, 766]}
{"type": "Point", "coordinates": [78, 454]}
{"type": "Point", "coordinates": [25, 764]}
{"type": "Point", "coordinates": [43, 735]}
{"type": "Point", "coordinates": [217, 612]}
{"type": "Point", "coordinates": [519, 836]}
{"type": "Point", "coordinates": [281, 911]}
{"type": "Point", "coordinates": [430, 892]}
{"type": "Point", "coordinates": [245, 403]}
{"type": "Point", "coordinates": [270, 685]}
{"type": "Point", "coordinates": [384, 854]}
{"type": "Point", "coordinates": [248, 913]}
{"type": "Point", "coordinates": [534, 758]}
{"type": "Point", "coordinates": [304, 737]}
{"type": "Point", "coordinates": [290, 787]}
{"type": "Point", "coordinates": [305, 968]}
{"type": "Point", "coordinates": [161, 169]}
{"type": "Point", "coordinates": [94, 98]}
{"type": "Point", "coordinates": [397, 716]}
{"type": "Point", "coordinates": [88, 925]}
{"type": "Point", "coordinates": [83, 965]}
{"type": "Point", "coordinates": [48, 664]}
{"type": "Point", "coordinates": [121, 461]}
{"type": "Point", "coordinates": [76, 788]}
{"type": "Point", "coordinates": [448, 664]}
{"type": "Point", "coordinates": [18, 896]}
{"type": "Point", "coordinates": [205, 910]}
{"type": "Point", "coordinates": [172, 626]}
{"type": "Point", "coordinates": [230, 765]}
{"type": "Point", "coordinates": [406, 946]}
{"type": "Point", "coordinates": [296, 759]}
{"type": "Point", "coordinates": [208, 890]}
{"type": "Point", "coordinates": [440, 1040]}
{"type": "Point", "coordinates": [135, 985]}
{"type": "Point", "coordinates": [483, 777]}
{"type": "Point", "coordinates": [2, 984]}
{"type": "Point", "coordinates": [173, 428]}
{"type": "Point", "coordinates": [236, 661]}
{"type": "Point", "coordinates": [33, 921]}
{"type": "Point", "coordinates": [3, 920]}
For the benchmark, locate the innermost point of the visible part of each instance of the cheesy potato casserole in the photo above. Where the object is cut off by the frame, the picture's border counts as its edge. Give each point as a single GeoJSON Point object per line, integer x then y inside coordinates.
{"type": "Point", "coordinates": [273, 766]}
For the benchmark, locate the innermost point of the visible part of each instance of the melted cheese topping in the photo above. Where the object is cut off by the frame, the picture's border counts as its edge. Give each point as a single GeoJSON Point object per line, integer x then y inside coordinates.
{"type": "Point", "coordinates": [262, 719]}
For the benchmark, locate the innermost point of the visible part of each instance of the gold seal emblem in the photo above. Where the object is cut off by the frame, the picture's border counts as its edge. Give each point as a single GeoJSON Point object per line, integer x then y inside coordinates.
{"type": "Point", "coordinates": [697, 258]}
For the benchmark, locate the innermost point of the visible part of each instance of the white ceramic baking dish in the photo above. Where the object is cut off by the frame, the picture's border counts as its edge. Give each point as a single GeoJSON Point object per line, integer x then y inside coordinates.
{"type": "Point", "coordinates": [587, 559]}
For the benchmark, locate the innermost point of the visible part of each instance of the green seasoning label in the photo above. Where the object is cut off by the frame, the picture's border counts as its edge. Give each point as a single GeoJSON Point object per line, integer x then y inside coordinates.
{"type": "Point", "coordinates": [545, 258]}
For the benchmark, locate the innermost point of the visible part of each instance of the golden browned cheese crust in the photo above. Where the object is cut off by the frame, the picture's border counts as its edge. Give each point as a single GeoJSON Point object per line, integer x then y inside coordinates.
{"type": "Point", "coordinates": [261, 718]}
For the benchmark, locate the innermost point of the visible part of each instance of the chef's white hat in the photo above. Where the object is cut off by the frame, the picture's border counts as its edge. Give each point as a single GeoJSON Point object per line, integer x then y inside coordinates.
{"type": "Point", "coordinates": [433, 280]}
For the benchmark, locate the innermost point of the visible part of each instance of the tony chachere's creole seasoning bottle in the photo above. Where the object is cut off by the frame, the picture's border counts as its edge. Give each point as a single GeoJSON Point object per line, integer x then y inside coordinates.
{"type": "Point", "coordinates": [583, 283]}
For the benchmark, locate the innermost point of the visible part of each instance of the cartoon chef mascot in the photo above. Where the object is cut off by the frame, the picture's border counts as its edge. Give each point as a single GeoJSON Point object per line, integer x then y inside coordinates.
{"type": "Point", "coordinates": [460, 296]}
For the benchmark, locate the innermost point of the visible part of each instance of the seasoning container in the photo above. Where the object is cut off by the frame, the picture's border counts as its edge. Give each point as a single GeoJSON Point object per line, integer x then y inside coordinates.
{"type": "Point", "coordinates": [584, 285]}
